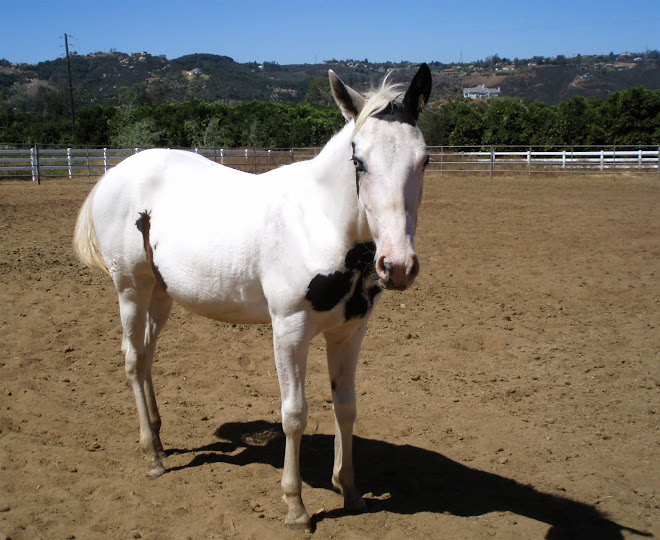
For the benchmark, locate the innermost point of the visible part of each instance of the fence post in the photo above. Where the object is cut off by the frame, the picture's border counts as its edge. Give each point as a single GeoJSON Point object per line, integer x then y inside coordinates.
{"type": "Point", "coordinates": [69, 162]}
{"type": "Point", "coordinates": [442, 155]}
{"type": "Point", "coordinates": [105, 160]}
{"type": "Point", "coordinates": [34, 163]}
{"type": "Point", "coordinates": [222, 156]}
{"type": "Point", "coordinates": [492, 160]}
{"type": "Point", "coordinates": [87, 159]}
{"type": "Point", "coordinates": [291, 151]}
{"type": "Point", "coordinates": [529, 163]}
{"type": "Point", "coordinates": [659, 161]}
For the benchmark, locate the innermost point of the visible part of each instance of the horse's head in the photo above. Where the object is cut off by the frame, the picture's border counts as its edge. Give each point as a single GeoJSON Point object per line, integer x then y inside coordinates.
{"type": "Point", "coordinates": [390, 155]}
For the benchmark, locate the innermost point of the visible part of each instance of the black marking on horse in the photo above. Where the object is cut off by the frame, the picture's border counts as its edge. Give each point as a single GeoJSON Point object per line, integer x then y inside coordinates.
{"type": "Point", "coordinates": [325, 291]}
{"type": "Point", "coordinates": [143, 224]}
{"type": "Point", "coordinates": [361, 257]}
{"type": "Point", "coordinates": [333, 385]}
{"type": "Point", "coordinates": [396, 112]}
{"type": "Point", "coordinates": [357, 171]}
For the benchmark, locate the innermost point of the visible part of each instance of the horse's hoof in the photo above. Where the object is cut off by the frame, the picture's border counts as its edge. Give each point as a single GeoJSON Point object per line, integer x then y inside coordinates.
{"type": "Point", "coordinates": [355, 505]}
{"type": "Point", "coordinates": [301, 523]}
{"type": "Point", "coordinates": [155, 471]}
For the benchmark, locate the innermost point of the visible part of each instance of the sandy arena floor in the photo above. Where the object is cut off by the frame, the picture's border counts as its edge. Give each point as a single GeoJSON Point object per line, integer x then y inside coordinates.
{"type": "Point", "coordinates": [513, 393]}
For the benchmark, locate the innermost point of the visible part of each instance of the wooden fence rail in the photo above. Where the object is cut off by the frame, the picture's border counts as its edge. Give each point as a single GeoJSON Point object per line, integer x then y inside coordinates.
{"type": "Point", "coordinates": [36, 162]}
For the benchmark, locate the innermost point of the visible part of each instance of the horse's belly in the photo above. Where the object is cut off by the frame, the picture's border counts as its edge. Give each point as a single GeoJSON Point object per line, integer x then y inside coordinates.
{"type": "Point", "coordinates": [217, 288]}
{"type": "Point", "coordinates": [241, 304]}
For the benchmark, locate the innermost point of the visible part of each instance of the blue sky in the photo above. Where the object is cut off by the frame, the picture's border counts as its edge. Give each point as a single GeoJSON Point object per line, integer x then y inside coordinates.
{"type": "Point", "coordinates": [291, 32]}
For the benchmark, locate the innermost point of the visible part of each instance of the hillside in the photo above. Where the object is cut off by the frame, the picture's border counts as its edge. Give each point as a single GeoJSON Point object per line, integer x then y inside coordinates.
{"type": "Point", "coordinates": [117, 78]}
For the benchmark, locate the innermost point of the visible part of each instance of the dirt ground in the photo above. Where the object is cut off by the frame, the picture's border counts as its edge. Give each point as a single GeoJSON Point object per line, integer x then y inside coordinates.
{"type": "Point", "coordinates": [512, 393]}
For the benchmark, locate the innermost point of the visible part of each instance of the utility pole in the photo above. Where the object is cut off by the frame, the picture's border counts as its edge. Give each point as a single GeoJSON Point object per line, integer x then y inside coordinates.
{"type": "Point", "coordinates": [68, 63]}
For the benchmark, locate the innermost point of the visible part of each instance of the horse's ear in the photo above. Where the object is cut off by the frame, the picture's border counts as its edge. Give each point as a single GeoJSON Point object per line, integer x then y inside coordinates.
{"type": "Point", "coordinates": [419, 91]}
{"type": "Point", "coordinates": [350, 102]}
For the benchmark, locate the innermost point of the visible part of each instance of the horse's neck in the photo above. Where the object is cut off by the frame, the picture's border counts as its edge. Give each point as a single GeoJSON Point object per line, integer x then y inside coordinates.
{"type": "Point", "coordinates": [334, 174]}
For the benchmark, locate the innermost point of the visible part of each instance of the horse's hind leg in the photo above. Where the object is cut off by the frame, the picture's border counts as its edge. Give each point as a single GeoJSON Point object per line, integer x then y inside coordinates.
{"type": "Point", "coordinates": [134, 300]}
{"type": "Point", "coordinates": [157, 314]}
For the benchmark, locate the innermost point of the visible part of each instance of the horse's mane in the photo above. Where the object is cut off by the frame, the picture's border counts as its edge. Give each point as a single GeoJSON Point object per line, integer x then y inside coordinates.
{"type": "Point", "coordinates": [378, 99]}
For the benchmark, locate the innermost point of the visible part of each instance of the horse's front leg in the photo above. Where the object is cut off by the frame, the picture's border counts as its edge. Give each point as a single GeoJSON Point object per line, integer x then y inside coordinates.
{"type": "Point", "coordinates": [291, 344]}
{"type": "Point", "coordinates": [343, 350]}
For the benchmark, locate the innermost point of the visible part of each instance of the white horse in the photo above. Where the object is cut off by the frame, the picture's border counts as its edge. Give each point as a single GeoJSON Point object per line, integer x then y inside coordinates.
{"type": "Point", "coordinates": [307, 247]}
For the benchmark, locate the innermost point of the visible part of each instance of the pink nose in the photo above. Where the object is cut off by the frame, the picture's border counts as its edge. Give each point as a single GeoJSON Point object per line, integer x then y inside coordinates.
{"type": "Point", "coordinates": [397, 275]}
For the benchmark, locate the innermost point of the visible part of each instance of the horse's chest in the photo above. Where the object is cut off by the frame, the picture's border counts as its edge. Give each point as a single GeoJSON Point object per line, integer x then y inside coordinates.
{"type": "Point", "coordinates": [353, 286]}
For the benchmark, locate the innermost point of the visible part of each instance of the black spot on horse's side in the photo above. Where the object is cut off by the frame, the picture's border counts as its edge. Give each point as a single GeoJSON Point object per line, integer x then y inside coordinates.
{"type": "Point", "coordinates": [325, 292]}
{"type": "Point", "coordinates": [158, 276]}
{"type": "Point", "coordinates": [143, 225]}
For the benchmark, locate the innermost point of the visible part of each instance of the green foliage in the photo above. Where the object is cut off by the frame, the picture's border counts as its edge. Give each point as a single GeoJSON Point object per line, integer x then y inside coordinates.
{"type": "Point", "coordinates": [633, 117]}
{"type": "Point", "coordinates": [93, 125]}
{"type": "Point", "coordinates": [505, 123]}
{"type": "Point", "coordinates": [630, 117]}
{"type": "Point", "coordinates": [319, 92]}
{"type": "Point", "coordinates": [141, 133]}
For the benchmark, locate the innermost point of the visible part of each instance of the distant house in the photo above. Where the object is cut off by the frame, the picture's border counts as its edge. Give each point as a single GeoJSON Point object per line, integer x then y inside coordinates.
{"type": "Point", "coordinates": [481, 91]}
{"type": "Point", "coordinates": [194, 72]}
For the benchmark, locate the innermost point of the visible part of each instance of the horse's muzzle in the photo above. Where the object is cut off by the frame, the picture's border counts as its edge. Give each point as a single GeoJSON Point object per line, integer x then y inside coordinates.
{"type": "Point", "coordinates": [397, 275]}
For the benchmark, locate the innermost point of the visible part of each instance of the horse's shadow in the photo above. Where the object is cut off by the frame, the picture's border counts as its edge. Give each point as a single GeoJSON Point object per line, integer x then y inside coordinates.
{"type": "Point", "coordinates": [406, 480]}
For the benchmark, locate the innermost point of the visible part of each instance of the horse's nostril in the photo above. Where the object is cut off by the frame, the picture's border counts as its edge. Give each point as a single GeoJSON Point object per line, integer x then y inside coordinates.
{"type": "Point", "coordinates": [389, 267]}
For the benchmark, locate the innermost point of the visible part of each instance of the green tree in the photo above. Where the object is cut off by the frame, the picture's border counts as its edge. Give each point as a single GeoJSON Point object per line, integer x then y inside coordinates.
{"type": "Point", "coordinates": [505, 123]}
{"type": "Point", "coordinates": [319, 92]}
{"type": "Point", "coordinates": [632, 117]}
{"type": "Point", "coordinates": [578, 122]}
{"type": "Point", "coordinates": [542, 128]}
{"type": "Point", "coordinates": [93, 125]}
{"type": "Point", "coordinates": [141, 133]}
{"type": "Point", "coordinates": [438, 125]}
{"type": "Point", "coordinates": [469, 128]}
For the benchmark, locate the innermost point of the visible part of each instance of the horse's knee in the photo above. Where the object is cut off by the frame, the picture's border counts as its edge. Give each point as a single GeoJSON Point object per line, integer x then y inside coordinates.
{"type": "Point", "coordinates": [134, 364]}
{"type": "Point", "coordinates": [294, 417]}
{"type": "Point", "coordinates": [345, 411]}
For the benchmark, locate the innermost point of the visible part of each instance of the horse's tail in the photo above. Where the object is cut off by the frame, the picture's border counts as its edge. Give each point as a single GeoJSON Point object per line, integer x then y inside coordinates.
{"type": "Point", "coordinates": [85, 243]}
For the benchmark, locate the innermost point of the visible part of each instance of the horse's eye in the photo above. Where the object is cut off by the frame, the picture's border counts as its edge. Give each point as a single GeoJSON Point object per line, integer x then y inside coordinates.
{"type": "Point", "coordinates": [427, 161]}
{"type": "Point", "coordinates": [359, 165]}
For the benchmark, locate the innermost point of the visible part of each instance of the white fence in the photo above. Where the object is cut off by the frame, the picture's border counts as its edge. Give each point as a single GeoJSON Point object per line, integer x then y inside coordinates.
{"type": "Point", "coordinates": [573, 159]}
{"type": "Point", "coordinates": [70, 162]}
{"type": "Point", "coordinates": [38, 162]}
